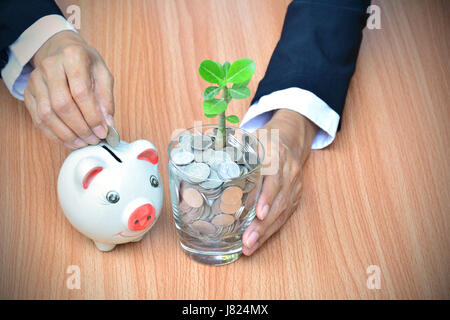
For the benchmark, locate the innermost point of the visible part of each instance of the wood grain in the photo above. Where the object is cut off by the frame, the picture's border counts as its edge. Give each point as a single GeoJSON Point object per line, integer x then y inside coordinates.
{"type": "Point", "coordinates": [379, 195]}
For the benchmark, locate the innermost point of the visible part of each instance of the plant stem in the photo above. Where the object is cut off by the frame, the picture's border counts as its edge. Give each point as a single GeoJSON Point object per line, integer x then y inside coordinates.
{"type": "Point", "coordinates": [221, 132]}
{"type": "Point", "coordinates": [221, 136]}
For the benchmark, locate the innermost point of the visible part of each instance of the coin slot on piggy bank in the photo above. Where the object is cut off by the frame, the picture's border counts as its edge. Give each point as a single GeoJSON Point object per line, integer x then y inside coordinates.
{"type": "Point", "coordinates": [112, 195]}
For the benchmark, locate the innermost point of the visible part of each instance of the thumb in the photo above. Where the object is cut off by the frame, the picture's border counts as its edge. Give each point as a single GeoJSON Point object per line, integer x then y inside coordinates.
{"type": "Point", "coordinates": [272, 182]}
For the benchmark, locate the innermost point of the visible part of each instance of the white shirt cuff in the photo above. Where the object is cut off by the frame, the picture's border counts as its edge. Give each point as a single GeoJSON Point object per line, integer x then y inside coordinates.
{"type": "Point", "coordinates": [16, 72]}
{"type": "Point", "coordinates": [302, 101]}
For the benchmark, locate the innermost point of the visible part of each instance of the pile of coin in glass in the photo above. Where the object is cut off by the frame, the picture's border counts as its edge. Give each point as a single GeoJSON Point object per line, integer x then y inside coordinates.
{"type": "Point", "coordinates": [216, 190]}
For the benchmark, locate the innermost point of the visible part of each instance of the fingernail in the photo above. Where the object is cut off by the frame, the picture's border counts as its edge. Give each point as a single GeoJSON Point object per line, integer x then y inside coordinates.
{"type": "Point", "coordinates": [264, 212]}
{"type": "Point", "coordinates": [100, 131]}
{"type": "Point", "coordinates": [249, 251]}
{"type": "Point", "coordinates": [92, 139]}
{"type": "Point", "coordinates": [252, 239]}
{"type": "Point", "coordinates": [79, 143]}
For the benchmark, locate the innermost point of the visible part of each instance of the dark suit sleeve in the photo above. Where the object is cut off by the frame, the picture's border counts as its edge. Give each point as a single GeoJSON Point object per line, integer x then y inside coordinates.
{"type": "Point", "coordinates": [317, 50]}
{"type": "Point", "coordinates": [16, 16]}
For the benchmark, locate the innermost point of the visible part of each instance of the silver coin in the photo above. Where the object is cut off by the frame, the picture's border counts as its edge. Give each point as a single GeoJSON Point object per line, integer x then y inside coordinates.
{"type": "Point", "coordinates": [201, 142]}
{"type": "Point", "coordinates": [217, 158]}
{"type": "Point", "coordinates": [181, 158]}
{"type": "Point", "coordinates": [175, 150]}
{"type": "Point", "coordinates": [234, 153]}
{"type": "Point", "coordinates": [238, 213]}
{"type": "Point", "coordinates": [186, 147]}
{"type": "Point", "coordinates": [185, 136]}
{"type": "Point", "coordinates": [197, 172]}
{"type": "Point", "coordinates": [113, 137]}
{"type": "Point", "coordinates": [206, 212]}
{"type": "Point", "coordinates": [212, 182]}
{"type": "Point", "coordinates": [203, 156]}
{"type": "Point", "coordinates": [210, 216]}
{"type": "Point", "coordinates": [198, 156]}
{"type": "Point", "coordinates": [185, 141]}
{"type": "Point", "coordinates": [244, 170]}
{"type": "Point", "coordinates": [235, 182]}
{"type": "Point", "coordinates": [207, 155]}
{"type": "Point", "coordinates": [228, 170]}
{"type": "Point", "coordinates": [220, 232]}
{"type": "Point", "coordinates": [210, 194]}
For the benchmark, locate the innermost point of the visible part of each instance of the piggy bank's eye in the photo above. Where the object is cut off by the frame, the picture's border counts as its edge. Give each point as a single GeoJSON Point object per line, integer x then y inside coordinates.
{"type": "Point", "coordinates": [154, 181]}
{"type": "Point", "coordinates": [113, 196]}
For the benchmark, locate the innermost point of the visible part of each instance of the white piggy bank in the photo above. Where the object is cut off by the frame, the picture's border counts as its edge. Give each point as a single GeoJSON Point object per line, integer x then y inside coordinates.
{"type": "Point", "coordinates": [111, 195]}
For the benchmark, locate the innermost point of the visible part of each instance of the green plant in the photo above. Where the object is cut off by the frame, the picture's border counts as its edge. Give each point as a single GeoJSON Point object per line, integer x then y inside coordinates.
{"type": "Point", "coordinates": [238, 74]}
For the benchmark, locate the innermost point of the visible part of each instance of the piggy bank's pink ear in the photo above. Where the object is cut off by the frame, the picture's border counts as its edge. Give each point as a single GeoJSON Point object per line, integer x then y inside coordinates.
{"type": "Point", "coordinates": [86, 170]}
{"type": "Point", "coordinates": [150, 155]}
{"type": "Point", "coordinates": [90, 175]}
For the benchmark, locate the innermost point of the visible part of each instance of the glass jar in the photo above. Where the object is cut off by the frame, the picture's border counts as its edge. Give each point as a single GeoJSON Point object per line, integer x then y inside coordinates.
{"type": "Point", "coordinates": [214, 191]}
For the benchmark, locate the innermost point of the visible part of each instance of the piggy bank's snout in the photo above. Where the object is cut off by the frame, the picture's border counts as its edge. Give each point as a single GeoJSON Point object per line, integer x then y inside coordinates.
{"type": "Point", "coordinates": [141, 218]}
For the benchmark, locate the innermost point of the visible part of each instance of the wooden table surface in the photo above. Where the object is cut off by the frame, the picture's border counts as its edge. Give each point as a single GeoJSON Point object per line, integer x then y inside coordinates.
{"type": "Point", "coordinates": [379, 195]}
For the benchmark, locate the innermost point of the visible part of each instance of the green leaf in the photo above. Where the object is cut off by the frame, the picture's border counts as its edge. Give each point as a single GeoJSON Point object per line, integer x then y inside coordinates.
{"type": "Point", "coordinates": [211, 92]}
{"type": "Point", "coordinates": [211, 71]}
{"type": "Point", "coordinates": [214, 106]}
{"type": "Point", "coordinates": [210, 115]}
{"type": "Point", "coordinates": [240, 71]}
{"type": "Point", "coordinates": [226, 67]}
{"type": "Point", "coordinates": [239, 93]}
{"type": "Point", "coordinates": [233, 119]}
{"type": "Point", "coordinates": [242, 84]}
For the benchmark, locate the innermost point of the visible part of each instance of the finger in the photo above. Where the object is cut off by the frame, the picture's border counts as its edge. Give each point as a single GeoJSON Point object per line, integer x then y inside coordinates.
{"type": "Point", "coordinates": [277, 224]}
{"type": "Point", "coordinates": [271, 230]}
{"type": "Point", "coordinates": [249, 251]}
{"type": "Point", "coordinates": [296, 192]}
{"type": "Point", "coordinates": [260, 231]}
{"type": "Point", "coordinates": [46, 116]}
{"type": "Point", "coordinates": [282, 208]}
{"type": "Point", "coordinates": [62, 102]}
{"type": "Point", "coordinates": [257, 228]}
{"type": "Point", "coordinates": [76, 66]}
{"type": "Point", "coordinates": [103, 91]}
{"type": "Point", "coordinates": [270, 188]}
{"type": "Point", "coordinates": [31, 105]}
{"type": "Point", "coordinates": [272, 183]}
